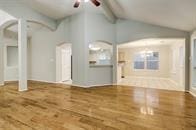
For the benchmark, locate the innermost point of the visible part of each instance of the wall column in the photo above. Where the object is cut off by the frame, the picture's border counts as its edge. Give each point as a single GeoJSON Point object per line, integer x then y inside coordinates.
{"type": "Point", "coordinates": [115, 64]}
{"type": "Point", "coordinates": [1, 58]}
{"type": "Point", "coordinates": [22, 50]}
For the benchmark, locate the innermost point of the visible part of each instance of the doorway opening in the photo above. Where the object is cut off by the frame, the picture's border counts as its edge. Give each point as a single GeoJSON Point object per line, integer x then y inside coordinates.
{"type": "Point", "coordinates": [64, 63]}
{"type": "Point", "coordinates": [193, 65]}
{"type": "Point", "coordinates": [152, 63]}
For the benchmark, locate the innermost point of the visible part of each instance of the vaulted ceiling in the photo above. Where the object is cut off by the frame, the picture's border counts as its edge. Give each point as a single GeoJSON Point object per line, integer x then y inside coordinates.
{"type": "Point", "coordinates": [59, 9]}
{"type": "Point", "coordinates": [178, 14]}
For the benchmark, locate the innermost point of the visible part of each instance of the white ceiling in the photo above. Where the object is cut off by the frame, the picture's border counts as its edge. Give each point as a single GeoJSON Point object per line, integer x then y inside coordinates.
{"type": "Point", "coordinates": [59, 9]}
{"type": "Point", "coordinates": [179, 14]}
{"type": "Point", "coordinates": [152, 42]}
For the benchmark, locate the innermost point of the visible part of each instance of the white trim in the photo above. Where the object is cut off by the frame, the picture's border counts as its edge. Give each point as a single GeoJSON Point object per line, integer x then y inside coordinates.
{"type": "Point", "coordinates": [22, 90]}
{"type": "Point", "coordinates": [191, 61]}
{"type": "Point", "coordinates": [149, 77]}
{"type": "Point", "coordinates": [58, 68]}
{"type": "Point", "coordinates": [145, 62]}
{"type": "Point", "coordinates": [65, 83]}
{"type": "Point", "coordinates": [81, 86]}
{"type": "Point", "coordinates": [91, 86]}
{"type": "Point", "coordinates": [100, 85]}
{"type": "Point", "coordinates": [183, 87]}
{"type": "Point", "coordinates": [193, 88]}
{"type": "Point", "coordinates": [11, 80]}
{"type": "Point", "coordinates": [192, 93]}
{"type": "Point", "coordinates": [44, 81]}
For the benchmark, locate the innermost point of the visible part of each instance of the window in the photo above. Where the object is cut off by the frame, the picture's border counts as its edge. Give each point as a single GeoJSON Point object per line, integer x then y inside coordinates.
{"type": "Point", "coordinates": [139, 61]}
{"type": "Point", "coordinates": [147, 60]}
{"type": "Point", "coordinates": [152, 61]}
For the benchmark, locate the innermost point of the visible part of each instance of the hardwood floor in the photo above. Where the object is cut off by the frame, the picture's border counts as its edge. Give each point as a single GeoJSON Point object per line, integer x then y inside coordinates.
{"type": "Point", "coordinates": [58, 107]}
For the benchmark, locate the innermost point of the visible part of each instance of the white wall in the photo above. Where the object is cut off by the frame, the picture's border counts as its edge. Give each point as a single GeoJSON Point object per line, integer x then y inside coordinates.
{"type": "Point", "coordinates": [12, 55]}
{"type": "Point", "coordinates": [81, 30]}
{"type": "Point", "coordinates": [192, 64]}
{"type": "Point", "coordinates": [1, 58]}
{"type": "Point", "coordinates": [79, 49]}
{"type": "Point", "coordinates": [130, 30]}
{"type": "Point", "coordinates": [11, 61]}
{"type": "Point", "coordinates": [42, 52]}
{"type": "Point", "coordinates": [1, 64]}
{"type": "Point", "coordinates": [4, 17]}
{"type": "Point", "coordinates": [177, 63]}
{"type": "Point", "coordinates": [98, 28]}
{"type": "Point", "coordinates": [100, 75]}
{"type": "Point", "coordinates": [10, 71]}
{"type": "Point", "coordinates": [164, 70]}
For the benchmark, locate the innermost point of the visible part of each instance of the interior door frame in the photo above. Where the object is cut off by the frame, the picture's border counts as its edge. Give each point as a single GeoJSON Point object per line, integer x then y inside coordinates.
{"type": "Point", "coordinates": [192, 63]}
{"type": "Point", "coordinates": [58, 59]}
{"type": "Point", "coordinates": [66, 55]}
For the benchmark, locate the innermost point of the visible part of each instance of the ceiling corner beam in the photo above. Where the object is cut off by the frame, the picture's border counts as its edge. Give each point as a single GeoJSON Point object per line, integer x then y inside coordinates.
{"type": "Point", "coordinates": [108, 12]}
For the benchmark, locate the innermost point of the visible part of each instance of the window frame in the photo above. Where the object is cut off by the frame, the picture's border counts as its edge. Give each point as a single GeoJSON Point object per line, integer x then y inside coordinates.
{"type": "Point", "coordinates": [145, 62]}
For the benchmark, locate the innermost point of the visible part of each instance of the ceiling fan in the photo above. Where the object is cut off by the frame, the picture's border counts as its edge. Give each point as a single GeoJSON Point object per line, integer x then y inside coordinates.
{"type": "Point", "coordinates": [95, 2]}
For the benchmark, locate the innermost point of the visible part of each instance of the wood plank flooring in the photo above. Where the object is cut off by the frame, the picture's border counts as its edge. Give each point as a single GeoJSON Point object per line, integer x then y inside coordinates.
{"type": "Point", "coordinates": [58, 107]}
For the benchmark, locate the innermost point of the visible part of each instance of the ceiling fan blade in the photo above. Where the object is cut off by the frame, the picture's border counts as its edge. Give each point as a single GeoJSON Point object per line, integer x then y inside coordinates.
{"type": "Point", "coordinates": [95, 2]}
{"type": "Point", "coordinates": [77, 4]}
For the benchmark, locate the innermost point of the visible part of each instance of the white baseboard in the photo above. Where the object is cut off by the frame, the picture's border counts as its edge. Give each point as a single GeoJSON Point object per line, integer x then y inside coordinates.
{"type": "Point", "coordinates": [89, 86]}
{"type": "Point", "coordinates": [100, 85]}
{"type": "Point", "coordinates": [11, 81]}
{"type": "Point", "coordinates": [192, 93]}
{"type": "Point", "coordinates": [81, 86]}
{"type": "Point", "coordinates": [14, 80]}
{"type": "Point", "coordinates": [22, 90]}
{"type": "Point", "coordinates": [173, 82]}
{"type": "Point", "coordinates": [44, 81]}
{"type": "Point", "coordinates": [145, 77]}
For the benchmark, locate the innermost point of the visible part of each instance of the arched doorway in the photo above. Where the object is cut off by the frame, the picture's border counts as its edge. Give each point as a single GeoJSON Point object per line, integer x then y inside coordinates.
{"type": "Point", "coordinates": [152, 63]}
{"type": "Point", "coordinates": [10, 48]}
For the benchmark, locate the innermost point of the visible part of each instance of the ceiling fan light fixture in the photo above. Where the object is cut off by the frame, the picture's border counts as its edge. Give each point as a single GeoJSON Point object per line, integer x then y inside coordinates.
{"type": "Point", "coordinates": [86, 1]}
{"type": "Point", "coordinates": [95, 2]}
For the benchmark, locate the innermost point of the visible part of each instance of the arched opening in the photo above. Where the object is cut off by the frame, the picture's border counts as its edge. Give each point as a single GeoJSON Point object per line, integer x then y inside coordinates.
{"type": "Point", "coordinates": [10, 47]}
{"type": "Point", "coordinates": [152, 63]}
{"type": "Point", "coordinates": [13, 23]}
{"type": "Point", "coordinates": [100, 53]}
{"type": "Point", "coordinates": [100, 69]}
{"type": "Point", "coordinates": [64, 63]}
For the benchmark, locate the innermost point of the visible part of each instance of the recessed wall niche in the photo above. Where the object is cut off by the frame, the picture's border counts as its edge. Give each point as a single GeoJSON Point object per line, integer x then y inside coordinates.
{"type": "Point", "coordinates": [12, 56]}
